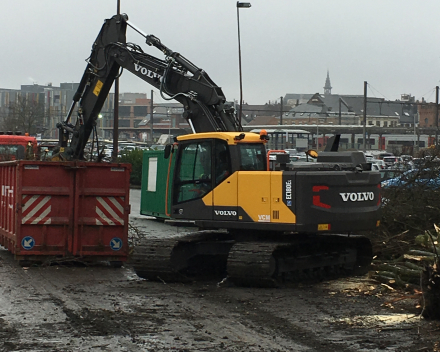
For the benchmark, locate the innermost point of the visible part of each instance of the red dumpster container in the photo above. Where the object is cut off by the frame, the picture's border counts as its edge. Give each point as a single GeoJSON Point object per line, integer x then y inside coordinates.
{"type": "Point", "coordinates": [46, 210]}
{"type": "Point", "coordinates": [102, 210]}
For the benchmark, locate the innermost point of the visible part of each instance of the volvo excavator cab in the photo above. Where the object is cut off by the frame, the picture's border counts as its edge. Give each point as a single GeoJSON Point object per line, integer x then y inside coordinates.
{"type": "Point", "coordinates": [203, 162]}
{"type": "Point", "coordinates": [279, 223]}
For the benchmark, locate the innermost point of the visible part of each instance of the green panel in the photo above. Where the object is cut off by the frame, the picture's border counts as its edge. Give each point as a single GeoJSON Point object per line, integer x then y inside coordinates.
{"type": "Point", "coordinates": [154, 181]}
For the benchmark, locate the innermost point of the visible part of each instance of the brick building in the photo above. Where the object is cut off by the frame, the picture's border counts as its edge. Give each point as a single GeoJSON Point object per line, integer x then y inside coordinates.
{"type": "Point", "coordinates": [427, 114]}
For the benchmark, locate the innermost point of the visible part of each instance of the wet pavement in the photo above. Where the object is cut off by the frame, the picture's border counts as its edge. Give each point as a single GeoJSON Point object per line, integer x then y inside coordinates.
{"type": "Point", "coordinates": [99, 308]}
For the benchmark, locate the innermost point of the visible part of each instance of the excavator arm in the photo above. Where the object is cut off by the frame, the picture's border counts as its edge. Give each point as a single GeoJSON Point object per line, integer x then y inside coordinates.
{"type": "Point", "coordinates": [204, 103]}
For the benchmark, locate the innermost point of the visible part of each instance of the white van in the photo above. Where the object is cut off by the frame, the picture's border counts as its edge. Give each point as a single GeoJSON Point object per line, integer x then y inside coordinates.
{"type": "Point", "coordinates": [380, 163]}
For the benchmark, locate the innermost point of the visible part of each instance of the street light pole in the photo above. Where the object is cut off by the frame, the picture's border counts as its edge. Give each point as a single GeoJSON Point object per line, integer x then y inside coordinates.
{"type": "Point", "coordinates": [240, 5]}
{"type": "Point", "coordinates": [116, 108]}
{"type": "Point", "coordinates": [281, 111]}
{"type": "Point", "coordinates": [317, 136]}
{"type": "Point", "coordinates": [151, 118]}
{"type": "Point", "coordinates": [169, 127]}
{"type": "Point", "coordinates": [101, 125]}
{"type": "Point", "coordinates": [364, 119]}
{"type": "Point", "coordinates": [436, 114]}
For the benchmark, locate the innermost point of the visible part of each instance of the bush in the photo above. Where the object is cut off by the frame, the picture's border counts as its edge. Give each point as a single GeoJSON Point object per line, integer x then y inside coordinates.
{"type": "Point", "coordinates": [134, 158]}
{"type": "Point", "coordinates": [408, 210]}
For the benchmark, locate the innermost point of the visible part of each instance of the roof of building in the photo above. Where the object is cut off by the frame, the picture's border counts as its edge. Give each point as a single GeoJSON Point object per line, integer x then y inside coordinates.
{"type": "Point", "coordinates": [306, 109]}
{"type": "Point", "coordinates": [296, 98]}
{"type": "Point", "coordinates": [264, 120]}
{"type": "Point", "coordinates": [329, 104]}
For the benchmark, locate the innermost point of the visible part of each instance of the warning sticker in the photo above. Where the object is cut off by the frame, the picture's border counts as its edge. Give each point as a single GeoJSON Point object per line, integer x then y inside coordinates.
{"type": "Point", "coordinates": [98, 88]}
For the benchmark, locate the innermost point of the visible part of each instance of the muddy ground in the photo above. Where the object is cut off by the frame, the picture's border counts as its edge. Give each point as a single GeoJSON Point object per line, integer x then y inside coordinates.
{"type": "Point", "coordinates": [99, 308]}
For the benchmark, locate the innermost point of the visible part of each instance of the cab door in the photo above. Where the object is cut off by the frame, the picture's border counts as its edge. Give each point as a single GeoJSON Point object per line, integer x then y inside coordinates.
{"type": "Point", "coordinates": [224, 194]}
{"type": "Point", "coordinates": [192, 197]}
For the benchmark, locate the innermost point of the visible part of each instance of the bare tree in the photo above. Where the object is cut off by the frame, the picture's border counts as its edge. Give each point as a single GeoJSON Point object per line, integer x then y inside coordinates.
{"type": "Point", "coordinates": [25, 115]}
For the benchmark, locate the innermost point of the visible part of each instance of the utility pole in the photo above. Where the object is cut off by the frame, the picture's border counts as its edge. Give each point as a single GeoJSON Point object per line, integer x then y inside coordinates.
{"type": "Point", "coordinates": [240, 5]}
{"type": "Point", "coordinates": [116, 108]}
{"type": "Point", "coordinates": [340, 113]}
{"type": "Point", "coordinates": [151, 118]}
{"type": "Point", "coordinates": [281, 111]}
{"type": "Point", "coordinates": [365, 119]}
{"type": "Point", "coordinates": [317, 136]}
{"type": "Point", "coordinates": [436, 116]}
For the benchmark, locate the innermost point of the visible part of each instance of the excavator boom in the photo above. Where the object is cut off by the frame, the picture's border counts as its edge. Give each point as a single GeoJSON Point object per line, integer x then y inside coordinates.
{"type": "Point", "coordinates": [204, 103]}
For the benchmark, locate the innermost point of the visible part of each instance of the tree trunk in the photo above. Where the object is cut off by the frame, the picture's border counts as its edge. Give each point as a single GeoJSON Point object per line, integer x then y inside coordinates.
{"type": "Point", "coordinates": [430, 283]}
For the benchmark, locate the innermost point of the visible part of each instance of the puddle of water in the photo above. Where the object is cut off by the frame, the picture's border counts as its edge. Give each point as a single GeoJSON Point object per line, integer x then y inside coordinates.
{"type": "Point", "coordinates": [379, 320]}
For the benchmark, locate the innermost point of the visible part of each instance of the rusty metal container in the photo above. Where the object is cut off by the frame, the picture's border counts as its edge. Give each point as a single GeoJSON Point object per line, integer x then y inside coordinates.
{"type": "Point", "coordinates": [68, 210]}
{"type": "Point", "coordinates": [102, 208]}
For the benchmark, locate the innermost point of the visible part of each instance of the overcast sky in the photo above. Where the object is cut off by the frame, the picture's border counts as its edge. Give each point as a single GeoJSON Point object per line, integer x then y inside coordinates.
{"type": "Point", "coordinates": [287, 46]}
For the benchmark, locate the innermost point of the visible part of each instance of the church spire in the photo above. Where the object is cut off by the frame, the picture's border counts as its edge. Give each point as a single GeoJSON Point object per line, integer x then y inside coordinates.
{"type": "Point", "coordinates": [328, 86]}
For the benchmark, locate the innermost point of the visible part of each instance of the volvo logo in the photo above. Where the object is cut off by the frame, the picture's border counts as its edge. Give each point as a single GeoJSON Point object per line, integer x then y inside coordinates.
{"type": "Point", "coordinates": [357, 197]}
{"type": "Point", "coordinates": [225, 212]}
{"type": "Point", "coordinates": [146, 72]}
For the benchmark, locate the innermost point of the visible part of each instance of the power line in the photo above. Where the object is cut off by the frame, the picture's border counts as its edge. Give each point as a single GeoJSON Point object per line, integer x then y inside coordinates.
{"type": "Point", "coordinates": [430, 91]}
{"type": "Point", "coordinates": [371, 87]}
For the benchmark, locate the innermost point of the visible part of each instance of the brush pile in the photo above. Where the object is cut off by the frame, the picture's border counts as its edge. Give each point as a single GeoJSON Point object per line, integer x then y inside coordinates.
{"type": "Point", "coordinates": [406, 247]}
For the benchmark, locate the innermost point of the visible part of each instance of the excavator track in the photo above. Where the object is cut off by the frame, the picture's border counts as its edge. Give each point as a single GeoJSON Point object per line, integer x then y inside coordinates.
{"type": "Point", "coordinates": [269, 264]}
{"type": "Point", "coordinates": [180, 259]}
{"type": "Point", "coordinates": [252, 264]}
{"type": "Point", "coordinates": [258, 263]}
{"type": "Point", "coordinates": [151, 260]}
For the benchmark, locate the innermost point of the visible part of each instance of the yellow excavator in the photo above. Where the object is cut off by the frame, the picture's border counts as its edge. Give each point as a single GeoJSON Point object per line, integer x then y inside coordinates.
{"type": "Point", "coordinates": [298, 221]}
{"type": "Point", "coordinates": [257, 226]}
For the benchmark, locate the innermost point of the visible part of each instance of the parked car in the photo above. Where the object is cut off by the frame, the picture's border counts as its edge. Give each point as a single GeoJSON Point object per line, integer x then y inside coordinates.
{"type": "Point", "coordinates": [380, 163]}
{"type": "Point", "coordinates": [427, 179]}
{"type": "Point", "coordinates": [128, 149]}
{"type": "Point", "coordinates": [157, 147]}
{"type": "Point", "coordinates": [369, 157]}
{"type": "Point", "coordinates": [426, 162]}
{"type": "Point", "coordinates": [386, 174]}
{"type": "Point", "coordinates": [108, 152]}
{"type": "Point", "coordinates": [291, 151]}
{"type": "Point", "coordinates": [384, 154]}
{"type": "Point", "coordinates": [406, 158]}
{"type": "Point", "coordinates": [402, 165]}
{"type": "Point", "coordinates": [295, 158]}
{"type": "Point", "coordinates": [390, 160]}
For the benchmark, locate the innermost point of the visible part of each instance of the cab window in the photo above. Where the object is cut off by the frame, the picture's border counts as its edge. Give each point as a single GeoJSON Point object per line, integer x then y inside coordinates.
{"type": "Point", "coordinates": [11, 152]}
{"type": "Point", "coordinates": [252, 157]}
{"type": "Point", "coordinates": [194, 172]}
{"type": "Point", "coordinates": [222, 161]}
